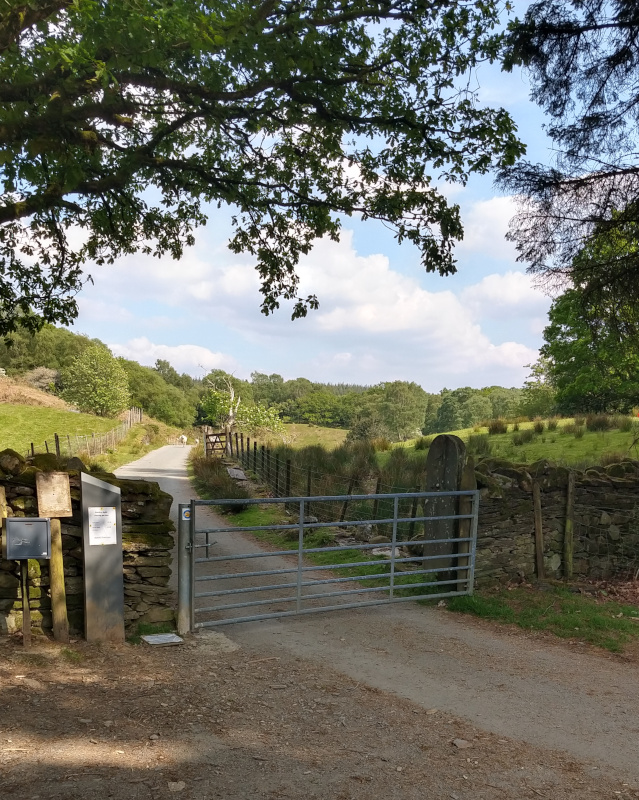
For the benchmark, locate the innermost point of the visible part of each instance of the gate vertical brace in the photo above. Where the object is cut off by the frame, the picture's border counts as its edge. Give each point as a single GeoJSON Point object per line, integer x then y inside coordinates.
{"type": "Point", "coordinates": [184, 573]}
{"type": "Point", "coordinates": [473, 545]}
{"type": "Point", "coordinates": [192, 564]}
{"type": "Point", "coordinates": [300, 550]}
{"type": "Point", "coordinates": [393, 543]}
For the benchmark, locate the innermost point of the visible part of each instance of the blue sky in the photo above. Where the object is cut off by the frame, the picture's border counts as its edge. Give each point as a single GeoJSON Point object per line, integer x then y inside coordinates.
{"type": "Point", "coordinates": [381, 316]}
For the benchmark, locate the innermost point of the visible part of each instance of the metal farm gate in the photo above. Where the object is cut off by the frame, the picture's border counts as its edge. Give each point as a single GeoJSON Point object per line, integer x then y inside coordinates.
{"type": "Point", "coordinates": [401, 547]}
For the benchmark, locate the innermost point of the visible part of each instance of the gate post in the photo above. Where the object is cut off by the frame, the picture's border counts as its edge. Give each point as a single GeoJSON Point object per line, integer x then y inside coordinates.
{"type": "Point", "coordinates": [184, 569]}
{"type": "Point", "coordinates": [444, 467]}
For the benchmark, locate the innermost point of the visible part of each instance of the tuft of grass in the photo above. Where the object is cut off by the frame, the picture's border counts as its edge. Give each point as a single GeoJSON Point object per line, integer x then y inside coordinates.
{"type": "Point", "coordinates": [559, 611]}
{"type": "Point", "coordinates": [72, 656]}
{"type": "Point", "coordinates": [614, 457]}
{"type": "Point", "coordinates": [213, 482]}
{"type": "Point", "coordinates": [523, 437]}
{"type": "Point", "coordinates": [146, 628]}
{"type": "Point", "coordinates": [539, 426]}
{"type": "Point", "coordinates": [599, 422]}
{"type": "Point", "coordinates": [496, 426]}
{"type": "Point", "coordinates": [479, 445]}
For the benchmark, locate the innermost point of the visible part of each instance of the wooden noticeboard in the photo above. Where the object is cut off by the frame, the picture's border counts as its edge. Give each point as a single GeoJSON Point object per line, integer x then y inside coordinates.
{"type": "Point", "coordinates": [54, 494]}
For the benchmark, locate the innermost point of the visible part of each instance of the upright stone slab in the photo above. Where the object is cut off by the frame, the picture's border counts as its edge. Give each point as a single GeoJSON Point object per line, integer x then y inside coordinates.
{"type": "Point", "coordinates": [444, 468]}
{"type": "Point", "coordinates": [103, 572]}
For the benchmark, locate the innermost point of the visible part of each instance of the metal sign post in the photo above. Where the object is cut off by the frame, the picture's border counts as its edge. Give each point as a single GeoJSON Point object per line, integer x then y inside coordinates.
{"type": "Point", "coordinates": [184, 569]}
{"type": "Point", "coordinates": [103, 562]}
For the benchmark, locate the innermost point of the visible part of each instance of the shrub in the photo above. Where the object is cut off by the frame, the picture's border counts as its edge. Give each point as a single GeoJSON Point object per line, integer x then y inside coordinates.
{"type": "Point", "coordinates": [496, 426]}
{"type": "Point", "coordinates": [42, 378]}
{"type": "Point", "coordinates": [580, 421]}
{"type": "Point", "coordinates": [381, 444]}
{"type": "Point", "coordinates": [423, 443]}
{"type": "Point", "coordinates": [552, 424]}
{"type": "Point", "coordinates": [599, 422]}
{"type": "Point", "coordinates": [516, 426]}
{"type": "Point", "coordinates": [539, 426]}
{"type": "Point", "coordinates": [479, 445]}
{"type": "Point", "coordinates": [523, 437]}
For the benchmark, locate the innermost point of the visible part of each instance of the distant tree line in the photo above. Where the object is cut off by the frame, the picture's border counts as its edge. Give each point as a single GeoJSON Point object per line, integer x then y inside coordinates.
{"type": "Point", "coordinates": [84, 372]}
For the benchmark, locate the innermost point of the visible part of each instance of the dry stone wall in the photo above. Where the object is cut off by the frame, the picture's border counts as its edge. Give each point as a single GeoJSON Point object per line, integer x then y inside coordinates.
{"type": "Point", "coordinates": [147, 542]}
{"type": "Point", "coordinates": [606, 520]}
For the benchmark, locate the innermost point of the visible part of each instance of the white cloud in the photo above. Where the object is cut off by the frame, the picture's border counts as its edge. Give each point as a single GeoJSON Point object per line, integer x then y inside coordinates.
{"type": "Point", "coordinates": [511, 295]}
{"type": "Point", "coordinates": [190, 358]}
{"type": "Point", "coordinates": [485, 227]}
{"type": "Point", "coordinates": [374, 323]}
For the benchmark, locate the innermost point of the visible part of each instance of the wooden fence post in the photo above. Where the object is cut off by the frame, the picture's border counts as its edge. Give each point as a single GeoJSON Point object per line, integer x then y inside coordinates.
{"type": "Point", "coordinates": [539, 532]}
{"type": "Point", "coordinates": [349, 491]}
{"type": "Point", "coordinates": [570, 526]}
{"type": "Point", "coordinates": [56, 439]}
{"type": "Point", "coordinates": [288, 477]}
{"type": "Point", "coordinates": [237, 445]}
{"type": "Point", "coordinates": [277, 475]}
{"type": "Point", "coordinates": [255, 457]}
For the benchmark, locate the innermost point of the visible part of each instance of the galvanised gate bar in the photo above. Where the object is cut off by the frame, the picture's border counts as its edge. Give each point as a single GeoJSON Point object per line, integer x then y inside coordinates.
{"type": "Point", "coordinates": [226, 576]}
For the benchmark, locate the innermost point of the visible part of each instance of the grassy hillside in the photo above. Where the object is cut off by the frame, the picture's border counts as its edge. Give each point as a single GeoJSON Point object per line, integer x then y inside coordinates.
{"type": "Point", "coordinates": [569, 444]}
{"type": "Point", "coordinates": [20, 425]}
{"type": "Point", "coordinates": [300, 435]}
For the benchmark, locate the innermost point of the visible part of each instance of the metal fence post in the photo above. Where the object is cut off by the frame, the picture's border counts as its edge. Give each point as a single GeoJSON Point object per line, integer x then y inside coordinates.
{"type": "Point", "coordinates": [393, 545]}
{"type": "Point", "coordinates": [192, 564]}
{"type": "Point", "coordinates": [184, 571]}
{"type": "Point", "coordinates": [300, 555]}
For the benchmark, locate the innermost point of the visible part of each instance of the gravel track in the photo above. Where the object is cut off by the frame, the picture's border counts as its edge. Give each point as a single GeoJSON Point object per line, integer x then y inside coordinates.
{"type": "Point", "coordinates": [555, 696]}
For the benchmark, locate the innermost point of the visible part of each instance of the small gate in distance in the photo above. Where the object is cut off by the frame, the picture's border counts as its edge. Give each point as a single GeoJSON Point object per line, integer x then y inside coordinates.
{"type": "Point", "coordinates": [214, 443]}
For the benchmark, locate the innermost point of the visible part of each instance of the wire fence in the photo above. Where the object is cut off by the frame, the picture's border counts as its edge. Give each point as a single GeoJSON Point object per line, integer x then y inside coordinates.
{"type": "Point", "coordinates": [606, 527]}
{"type": "Point", "coordinates": [93, 444]}
{"type": "Point", "coordinates": [286, 477]}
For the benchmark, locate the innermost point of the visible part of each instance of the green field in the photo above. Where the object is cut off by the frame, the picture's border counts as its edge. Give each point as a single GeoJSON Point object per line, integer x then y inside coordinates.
{"type": "Point", "coordinates": [21, 425]}
{"type": "Point", "coordinates": [558, 446]}
{"type": "Point", "coordinates": [300, 435]}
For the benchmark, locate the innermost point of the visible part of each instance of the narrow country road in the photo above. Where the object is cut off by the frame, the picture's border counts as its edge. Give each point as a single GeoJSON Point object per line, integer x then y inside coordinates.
{"type": "Point", "coordinates": [556, 695]}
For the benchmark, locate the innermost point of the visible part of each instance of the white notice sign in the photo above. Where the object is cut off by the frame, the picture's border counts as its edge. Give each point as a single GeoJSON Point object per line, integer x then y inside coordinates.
{"type": "Point", "coordinates": [102, 525]}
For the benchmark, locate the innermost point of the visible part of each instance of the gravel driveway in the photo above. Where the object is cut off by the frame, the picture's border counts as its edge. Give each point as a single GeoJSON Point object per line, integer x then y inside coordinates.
{"type": "Point", "coordinates": [558, 696]}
